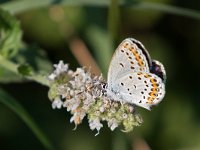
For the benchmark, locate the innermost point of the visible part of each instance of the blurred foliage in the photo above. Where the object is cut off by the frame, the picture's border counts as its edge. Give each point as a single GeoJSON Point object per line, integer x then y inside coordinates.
{"type": "Point", "coordinates": [18, 109]}
{"type": "Point", "coordinates": [10, 34]}
{"type": "Point", "coordinates": [170, 34]}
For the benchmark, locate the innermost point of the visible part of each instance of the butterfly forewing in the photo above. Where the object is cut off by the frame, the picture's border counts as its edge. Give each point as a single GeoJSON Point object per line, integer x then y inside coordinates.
{"type": "Point", "coordinates": [128, 58]}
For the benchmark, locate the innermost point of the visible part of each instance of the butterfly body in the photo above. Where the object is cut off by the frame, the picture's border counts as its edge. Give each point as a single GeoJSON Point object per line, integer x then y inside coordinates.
{"type": "Point", "coordinates": [133, 77]}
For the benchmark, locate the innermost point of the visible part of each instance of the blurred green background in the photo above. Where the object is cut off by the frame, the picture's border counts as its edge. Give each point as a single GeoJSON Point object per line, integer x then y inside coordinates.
{"type": "Point", "coordinates": [66, 31]}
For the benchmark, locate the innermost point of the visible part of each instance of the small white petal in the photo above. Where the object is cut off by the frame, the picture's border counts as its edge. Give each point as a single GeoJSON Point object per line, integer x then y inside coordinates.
{"type": "Point", "coordinates": [112, 124]}
{"type": "Point", "coordinates": [72, 119]}
{"type": "Point", "coordinates": [52, 76]}
{"type": "Point", "coordinates": [101, 109]}
{"type": "Point", "coordinates": [125, 115]}
{"type": "Point", "coordinates": [95, 124]}
{"type": "Point", "coordinates": [60, 68]}
{"type": "Point", "coordinates": [57, 103]}
{"type": "Point", "coordinates": [71, 104]}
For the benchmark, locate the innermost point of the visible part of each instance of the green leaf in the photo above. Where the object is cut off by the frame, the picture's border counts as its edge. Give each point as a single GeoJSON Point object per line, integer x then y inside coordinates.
{"type": "Point", "coordinates": [10, 102]}
{"type": "Point", "coordinates": [35, 57]}
{"type": "Point", "coordinates": [25, 70]}
{"type": "Point", "coordinates": [10, 34]}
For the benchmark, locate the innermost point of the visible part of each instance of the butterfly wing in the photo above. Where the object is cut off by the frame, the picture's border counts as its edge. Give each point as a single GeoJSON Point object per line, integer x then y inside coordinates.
{"type": "Point", "coordinates": [133, 77]}
{"type": "Point", "coordinates": [129, 57]}
{"type": "Point", "coordinates": [158, 69]}
{"type": "Point", "coordinates": [142, 89]}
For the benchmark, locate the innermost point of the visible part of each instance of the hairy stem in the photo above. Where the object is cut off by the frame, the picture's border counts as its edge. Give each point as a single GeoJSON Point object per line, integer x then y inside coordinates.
{"type": "Point", "coordinates": [14, 68]}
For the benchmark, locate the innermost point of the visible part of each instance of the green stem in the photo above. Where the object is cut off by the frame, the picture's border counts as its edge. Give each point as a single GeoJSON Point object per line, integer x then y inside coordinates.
{"type": "Point", "coordinates": [14, 68]}
{"type": "Point", "coordinates": [17, 7]}
{"type": "Point", "coordinates": [114, 20]}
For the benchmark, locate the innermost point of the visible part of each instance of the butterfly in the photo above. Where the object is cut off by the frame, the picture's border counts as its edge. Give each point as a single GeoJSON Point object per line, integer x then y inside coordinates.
{"type": "Point", "coordinates": [135, 78]}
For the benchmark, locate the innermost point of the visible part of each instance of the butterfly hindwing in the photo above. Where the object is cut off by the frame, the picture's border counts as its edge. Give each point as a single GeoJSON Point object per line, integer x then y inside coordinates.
{"type": "Point", "coordinates": [142, 89]}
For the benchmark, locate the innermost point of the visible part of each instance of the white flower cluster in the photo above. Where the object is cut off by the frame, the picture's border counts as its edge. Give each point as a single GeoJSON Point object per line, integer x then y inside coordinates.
{"type": "Point", "coordinates": [84, 95]}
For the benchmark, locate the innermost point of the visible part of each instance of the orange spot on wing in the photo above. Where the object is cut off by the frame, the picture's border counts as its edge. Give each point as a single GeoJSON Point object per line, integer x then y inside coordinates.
{"type": "Point", "coordinates": [147, 76]}
{"type": "Point", "coordinates": [154, 90]}
{"type": "Point", "coordinates": [141, 63]}
{"type": "Point", "coordinates": [152, 94]}
{"type": "Point", "coordinates": [149, 101]}
{"type": "Point", "coordinates": [134, 52]}
{"type": "Point", "coordinates": [125, 45]}
{"type": "Point", "coordinates": [155, 85]}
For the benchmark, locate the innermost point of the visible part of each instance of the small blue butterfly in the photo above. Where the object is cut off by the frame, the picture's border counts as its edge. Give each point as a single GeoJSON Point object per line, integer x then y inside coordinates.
{"type": "Point", "coordinates": [134, 77]}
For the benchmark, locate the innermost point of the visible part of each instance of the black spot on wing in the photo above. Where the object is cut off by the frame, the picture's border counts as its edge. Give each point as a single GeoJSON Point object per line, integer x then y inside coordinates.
{"type": "Point", "coordinates": [121, 64]}
{"type": "Point", "coordinates": [132, 67]}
